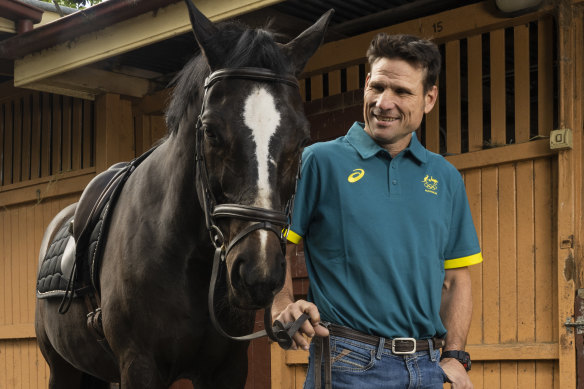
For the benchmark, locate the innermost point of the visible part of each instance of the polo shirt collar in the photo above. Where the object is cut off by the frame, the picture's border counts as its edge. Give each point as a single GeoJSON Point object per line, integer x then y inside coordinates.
{"type": "Point", "coordinates": [367, 148]}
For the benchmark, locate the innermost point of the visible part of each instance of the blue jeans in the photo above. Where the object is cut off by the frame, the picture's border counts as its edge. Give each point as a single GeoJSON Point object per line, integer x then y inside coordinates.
{"type": "Point", "coordinates": [359, 365]}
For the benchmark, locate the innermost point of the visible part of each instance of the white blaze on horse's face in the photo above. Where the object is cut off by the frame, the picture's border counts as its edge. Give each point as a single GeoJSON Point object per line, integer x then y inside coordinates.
{"type": "Point", "coordinates": [262, 117]}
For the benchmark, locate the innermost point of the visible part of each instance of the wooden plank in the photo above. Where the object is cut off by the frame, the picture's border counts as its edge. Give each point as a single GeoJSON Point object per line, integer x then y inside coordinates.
{"type": "Point", "coordinates": [2, 144]}
{"type": "Point", "coordinates": [525, 254]}
{"type": "Point", "coordinates": [475, 92]}
{"type": "Point", "coordinates": [564, 250]}
{"type": "Point", "coordinates": [281, 376]}
{"type": "Point", "coordinates": [545, 74]}
{"type": "Point", "coordinates": [453, 114]}
{"type": "Point", "coordinates": [41, 189]}
{"type": "Point", "coordinates": [433, 128]}
{"type": "Point", "coordinates": [26, 137]}
{"type": "Point", "coordinates": [334, 82]}
{"type": "Point", "coordinates": [45, 160]}
{"type": "Point", "coordinates": [472, 181]}
{"type": "Point", "coordinates": [8, 139]}
{"type": "Point", "coordinates": [507, 258]}
{"type": "Point", "coordinates": [4, 228]}
{"type": "Point", "coordinates": [526, 374]}
{"type": "Point", "coordinates": [17, 142]}
{"type": "Point", "coordinates": [66, 108]}
{"type": "Point", "coordinates": [32, 246]}
{"type": "Point", "coordinates": [316, 89]}
{"type": "Point", "coordinates": [492, 375]}
{"type": "Point", "coordinates": [545, 268]}
{"type": "Point", "coordinates": [509, 375]}
{"type": "Point", "coordinates": [76, 133]}
{"type": "Point", "coordinates": [490, 239]}
{"type": "Point", "coordinates": [56, 135]}
{"type": "Point", "coordinates": [299, 376]}
{"type": "Point", "coordinates": [498, 109]}
{"type": "Point", "coordinates": [545, 374]}
{"type": "Point", "coordinates": [35, 153]}
{"type": "Point", "coordinates": [521, 82]}
{"type": "Point", "coordinates": [88, 136]}
{"type": "Point", "coordinates": [352, 77]}
{"type": "Point", "coordinates": [7, 273]}
{"type": "Point", "coordinates": [501, 155]}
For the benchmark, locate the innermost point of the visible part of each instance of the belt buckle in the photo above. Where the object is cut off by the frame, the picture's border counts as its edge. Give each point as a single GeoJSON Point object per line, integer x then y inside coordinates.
{"type": "Point", "coordinates": [393, 350]}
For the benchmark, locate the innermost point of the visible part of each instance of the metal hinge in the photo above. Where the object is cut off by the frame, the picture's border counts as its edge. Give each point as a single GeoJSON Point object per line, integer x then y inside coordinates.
{"type": "Point", "coordinates": [578, 325]}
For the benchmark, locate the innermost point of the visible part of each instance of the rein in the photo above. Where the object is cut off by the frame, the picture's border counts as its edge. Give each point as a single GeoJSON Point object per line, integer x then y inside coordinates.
{"type": "Point", "coordinates": [262, 218]}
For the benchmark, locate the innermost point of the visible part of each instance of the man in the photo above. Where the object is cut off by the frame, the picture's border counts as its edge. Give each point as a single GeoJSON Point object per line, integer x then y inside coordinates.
{"type": "Point", "coordinates": [388, 238]}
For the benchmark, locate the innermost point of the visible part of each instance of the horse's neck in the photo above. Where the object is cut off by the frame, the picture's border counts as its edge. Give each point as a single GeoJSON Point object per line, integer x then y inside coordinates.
{"type": "Point", "coordinates": [172, 175]}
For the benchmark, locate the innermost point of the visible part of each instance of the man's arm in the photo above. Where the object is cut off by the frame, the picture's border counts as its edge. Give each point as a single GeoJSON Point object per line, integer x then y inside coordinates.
{"type": "Point", "coordinates": [456, 314]}
{"type": "Point", "coordinates": [285, 309]}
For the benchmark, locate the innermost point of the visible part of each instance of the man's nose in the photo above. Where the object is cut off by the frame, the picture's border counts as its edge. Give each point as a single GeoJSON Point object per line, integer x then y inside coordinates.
{"type": "Point", "coordinates": [386, 100]}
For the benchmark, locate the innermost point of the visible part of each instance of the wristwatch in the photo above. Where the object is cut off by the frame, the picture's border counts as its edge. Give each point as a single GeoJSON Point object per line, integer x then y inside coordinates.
{"type": "Point", "coordinates": [462, 356]}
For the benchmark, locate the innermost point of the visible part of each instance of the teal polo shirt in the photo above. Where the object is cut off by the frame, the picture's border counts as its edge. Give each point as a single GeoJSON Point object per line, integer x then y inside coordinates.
{"type": "Point", "coordinates": [379, 233]}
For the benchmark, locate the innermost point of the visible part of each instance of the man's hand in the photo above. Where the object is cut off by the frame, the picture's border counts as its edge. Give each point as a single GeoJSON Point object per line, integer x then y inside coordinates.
{"type": "Point", "coordinates": [310, 327]}
{"type": "Point", "coordinates": [456, 373]}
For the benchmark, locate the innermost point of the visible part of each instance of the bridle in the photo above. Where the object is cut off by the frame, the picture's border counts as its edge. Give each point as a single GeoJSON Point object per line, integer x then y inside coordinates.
{"type": "Point", "coordinates": [261, 218]}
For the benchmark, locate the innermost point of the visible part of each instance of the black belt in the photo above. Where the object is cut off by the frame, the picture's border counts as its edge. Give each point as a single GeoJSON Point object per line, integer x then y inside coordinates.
{"type": "Point", "coordinates": [398, 346]}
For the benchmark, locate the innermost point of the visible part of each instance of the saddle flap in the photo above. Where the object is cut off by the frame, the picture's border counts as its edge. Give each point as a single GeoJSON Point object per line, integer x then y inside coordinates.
{"type": "Point", "coordinates": [94, 198]}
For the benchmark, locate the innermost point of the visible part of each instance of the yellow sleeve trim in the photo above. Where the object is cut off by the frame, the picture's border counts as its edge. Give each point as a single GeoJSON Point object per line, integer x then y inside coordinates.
{"type": "Point", "coordinates": [293, 237]}
{"type": "Point", "coordinates": [462, 262]}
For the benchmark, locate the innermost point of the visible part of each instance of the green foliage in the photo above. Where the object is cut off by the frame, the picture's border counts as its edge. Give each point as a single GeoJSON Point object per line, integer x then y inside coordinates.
{"type": "Point", "coordinates": [79, 4]}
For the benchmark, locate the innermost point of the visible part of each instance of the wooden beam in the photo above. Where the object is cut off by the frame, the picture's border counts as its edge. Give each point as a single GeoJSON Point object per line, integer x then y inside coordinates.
{"type": "Point", "coordinates": [122, 37]}
{"type": "Point", "coordinates": [89, 82]}
{"type": "Point", "coordinates": [46, 187]}
{"type": "Point", "coordinates": [17, 331]}
{"type": "Point", "coordinates": [569, 109]}
{"type": "Point", "coordinates": [500, 155]}
{"type": "Point", "coordinates": [461, 22]}
{"type": "Point", "coordinates": [7, 25]}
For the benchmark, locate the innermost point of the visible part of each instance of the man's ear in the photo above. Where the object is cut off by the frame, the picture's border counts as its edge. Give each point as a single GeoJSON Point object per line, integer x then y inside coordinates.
{"type": "Point", "coordinates": [430, 99]}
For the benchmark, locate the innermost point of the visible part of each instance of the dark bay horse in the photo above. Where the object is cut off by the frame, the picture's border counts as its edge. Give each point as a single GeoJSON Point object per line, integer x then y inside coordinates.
{"type": "Point", "coordinates": [222, 177]}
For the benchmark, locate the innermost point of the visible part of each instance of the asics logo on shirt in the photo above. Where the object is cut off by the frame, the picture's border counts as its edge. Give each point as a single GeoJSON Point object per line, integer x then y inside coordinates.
{"type": "Point", "coordinates": [356, 175]}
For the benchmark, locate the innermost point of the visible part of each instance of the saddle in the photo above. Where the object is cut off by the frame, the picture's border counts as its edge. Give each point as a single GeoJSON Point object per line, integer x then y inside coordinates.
{"type": "Point", "coordinates": [68, 259]}
{"type": "Point", "coordinates": [73, 258]}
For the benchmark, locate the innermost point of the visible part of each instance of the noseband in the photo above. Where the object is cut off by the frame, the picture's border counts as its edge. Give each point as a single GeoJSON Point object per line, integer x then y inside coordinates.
{"type": "Point", "coordinates": [261, 218]}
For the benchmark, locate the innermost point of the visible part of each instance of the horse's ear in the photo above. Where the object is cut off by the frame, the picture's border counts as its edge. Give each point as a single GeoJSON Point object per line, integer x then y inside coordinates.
{"type": "Point", "coordinates": [204, 31]}
{"type": "Point", "coordinates": [304, 45]}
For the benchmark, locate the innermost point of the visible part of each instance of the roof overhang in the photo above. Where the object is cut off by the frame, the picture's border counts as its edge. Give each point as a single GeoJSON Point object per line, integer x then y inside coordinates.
{"type": "Point", "coordinates": [58, 57]}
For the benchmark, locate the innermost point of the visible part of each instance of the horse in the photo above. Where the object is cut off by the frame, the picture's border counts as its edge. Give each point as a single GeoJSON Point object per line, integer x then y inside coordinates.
{"type": "Point", "coordinates": [217, 187]}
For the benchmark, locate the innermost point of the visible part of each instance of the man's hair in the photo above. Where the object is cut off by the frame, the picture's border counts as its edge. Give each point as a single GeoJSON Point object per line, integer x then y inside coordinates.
{"type": "Point", "coordinates": [419, 53]}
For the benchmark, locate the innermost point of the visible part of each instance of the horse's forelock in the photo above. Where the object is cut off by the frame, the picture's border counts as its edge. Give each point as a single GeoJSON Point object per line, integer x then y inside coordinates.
{"type": "Point", "coordinates": [247, 48]}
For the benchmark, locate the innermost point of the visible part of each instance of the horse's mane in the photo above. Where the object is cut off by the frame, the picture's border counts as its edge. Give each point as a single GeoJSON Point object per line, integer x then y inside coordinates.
{"type": "Point", "coordinates": [242, 47]}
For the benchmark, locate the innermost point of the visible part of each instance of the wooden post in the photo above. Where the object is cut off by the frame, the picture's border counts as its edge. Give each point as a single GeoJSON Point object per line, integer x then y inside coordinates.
{"type": "Point", "coordinates": [114, 131]}
{"type": "Point", "coordinates": [569, 176]}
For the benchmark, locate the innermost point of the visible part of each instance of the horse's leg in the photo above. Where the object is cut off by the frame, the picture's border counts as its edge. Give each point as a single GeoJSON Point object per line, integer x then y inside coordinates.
{"type": "Point", "coordinates": [62, 374]}
{"type": "Point", "coordinates": [140, 371]}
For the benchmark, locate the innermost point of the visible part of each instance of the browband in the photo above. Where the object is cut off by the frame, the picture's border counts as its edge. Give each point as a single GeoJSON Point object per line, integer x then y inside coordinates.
{"type": "Point", "coordinates": [256, 74]}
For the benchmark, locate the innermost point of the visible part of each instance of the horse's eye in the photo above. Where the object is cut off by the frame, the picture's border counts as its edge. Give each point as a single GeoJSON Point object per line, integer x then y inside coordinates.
{"type": "Point", "coordinates": [209, 133]}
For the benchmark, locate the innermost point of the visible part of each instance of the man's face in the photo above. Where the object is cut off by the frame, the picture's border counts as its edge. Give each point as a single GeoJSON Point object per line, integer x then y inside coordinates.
{"type": "Point", "coordinates": [395, 101]}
